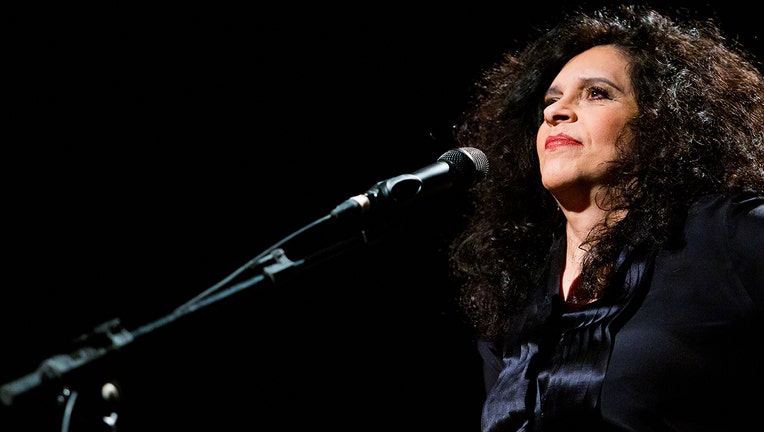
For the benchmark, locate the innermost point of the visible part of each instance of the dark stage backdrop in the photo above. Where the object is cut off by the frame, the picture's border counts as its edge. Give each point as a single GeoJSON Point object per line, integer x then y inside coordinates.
{"type": "Point", "coordinates": [156, 148]}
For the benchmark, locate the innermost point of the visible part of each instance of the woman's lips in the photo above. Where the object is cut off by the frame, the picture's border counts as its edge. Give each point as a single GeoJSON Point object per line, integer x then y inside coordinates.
{"type": "Point", "coordinates": [561, 140]}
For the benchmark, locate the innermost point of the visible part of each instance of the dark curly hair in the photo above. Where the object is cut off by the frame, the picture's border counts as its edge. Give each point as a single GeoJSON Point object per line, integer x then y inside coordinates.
{"type": "Point", "coordinates": [700, 130]}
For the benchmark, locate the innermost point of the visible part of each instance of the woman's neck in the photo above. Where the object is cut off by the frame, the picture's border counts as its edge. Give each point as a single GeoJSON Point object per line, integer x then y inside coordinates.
{"type": "Point", "coordinates": [578, 227]}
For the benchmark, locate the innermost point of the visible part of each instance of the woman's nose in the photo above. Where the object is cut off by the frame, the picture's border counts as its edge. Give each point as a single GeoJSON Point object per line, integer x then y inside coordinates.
{"type": "Point", "coordinates": [558, 112]}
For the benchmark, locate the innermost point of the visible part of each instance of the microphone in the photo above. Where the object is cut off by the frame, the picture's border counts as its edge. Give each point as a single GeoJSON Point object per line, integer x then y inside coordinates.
{"type": "Point", "coordinates": [460, 167]}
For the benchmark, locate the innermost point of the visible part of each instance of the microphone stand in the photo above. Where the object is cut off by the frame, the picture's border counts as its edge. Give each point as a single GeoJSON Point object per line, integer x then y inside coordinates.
{"type": "Point", "coordinates": [272, 265]}
{"type": "Point", "coordinates": [67, 370]}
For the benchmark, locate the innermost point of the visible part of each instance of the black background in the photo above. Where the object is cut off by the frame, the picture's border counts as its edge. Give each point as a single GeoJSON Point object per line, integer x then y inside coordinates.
{"type": "Point", "coordinates": [154, 148]}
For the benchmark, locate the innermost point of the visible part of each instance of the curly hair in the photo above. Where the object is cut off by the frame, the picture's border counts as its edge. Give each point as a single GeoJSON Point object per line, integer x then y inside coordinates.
{"type": "Point", "coordinates": [700, 130]}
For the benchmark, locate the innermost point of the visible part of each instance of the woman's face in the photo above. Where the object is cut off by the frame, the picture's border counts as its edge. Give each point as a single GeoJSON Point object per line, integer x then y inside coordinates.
{"type": "Point", "coordinates": [587, 107]}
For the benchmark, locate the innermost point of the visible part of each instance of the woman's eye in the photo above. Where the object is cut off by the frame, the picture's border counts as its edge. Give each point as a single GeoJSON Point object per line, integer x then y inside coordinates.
{"type": "Point", "coordinates": [598, 93]}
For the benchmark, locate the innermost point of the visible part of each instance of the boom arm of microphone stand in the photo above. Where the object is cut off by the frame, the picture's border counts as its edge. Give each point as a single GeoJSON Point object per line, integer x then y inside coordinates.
{"type": "Point", "coordinates": [106, 337]}
{"type": "Point", "coordinates": [110, 336]}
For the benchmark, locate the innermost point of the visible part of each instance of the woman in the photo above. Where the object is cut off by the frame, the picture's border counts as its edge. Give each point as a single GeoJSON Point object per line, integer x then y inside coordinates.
{"type": "Point", "coordinates": [613, 268]}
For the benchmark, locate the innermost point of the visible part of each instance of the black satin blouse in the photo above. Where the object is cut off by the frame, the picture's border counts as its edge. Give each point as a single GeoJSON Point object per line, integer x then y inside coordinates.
{"type": "Point", "coordinates": [674, 347]}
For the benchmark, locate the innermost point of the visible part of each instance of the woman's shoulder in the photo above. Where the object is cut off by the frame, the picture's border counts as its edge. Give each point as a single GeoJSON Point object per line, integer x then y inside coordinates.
{"type": "Point", "coordinates": [735, 213]}
{"type": "Point", "coordinates": [731, 228]}
{"type": "Point", "coordinates": [737, 218]}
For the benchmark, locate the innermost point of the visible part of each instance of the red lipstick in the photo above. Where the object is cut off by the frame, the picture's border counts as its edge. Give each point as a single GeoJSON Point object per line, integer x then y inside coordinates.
{"type": "Point", "coordinates": [554, 141]}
